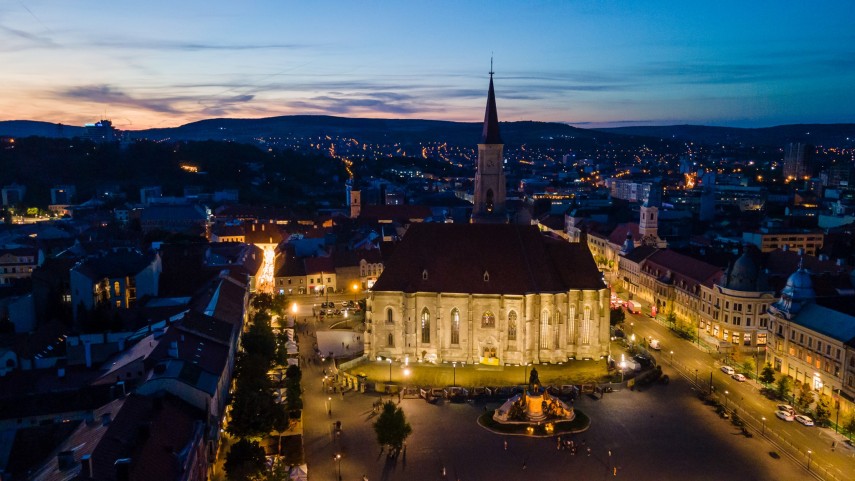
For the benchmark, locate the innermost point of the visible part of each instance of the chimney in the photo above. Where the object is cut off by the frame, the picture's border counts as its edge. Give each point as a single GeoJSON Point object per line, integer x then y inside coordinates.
{"type": "Point", "coordinates": [86, 465]}
{"type": "Point", "coordinates": [123, 469]}
{"type": "Point", "coordinates": [173, 349]}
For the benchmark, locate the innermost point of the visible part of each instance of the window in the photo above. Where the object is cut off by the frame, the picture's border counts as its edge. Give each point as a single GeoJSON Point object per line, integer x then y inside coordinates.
{"type": "Point", "coordinates": [389, 316]}
{"type": "Point", "coordinates": [544, 330]}
{"type": "Point", "coordinates": [455, 326]}
{"type": "Point", "coordinates": [425, 326]}
{"type": "Point", "coordinates": [116, 287]}
{"type": "Point", "coordinates": [390, 340]}
{"type": "Point", "coordinates": [818, 345]}
{"type": "Point", "coordinates": [512, 326]}
{"type": "Point", "coordinates": [746, 339]}
{"type": "Point", "coordinates": [488, 320]}
{"type": "Point", "coordinates": [726, 335]}
{"type": "Point", "coordinates": [761, 338]}
{"type": "Point", "coordinates": [586, 325]}
{"type": "Point", "coordinates": [736, 338]}
{"type": "Point", "coordinates": [571, 323]}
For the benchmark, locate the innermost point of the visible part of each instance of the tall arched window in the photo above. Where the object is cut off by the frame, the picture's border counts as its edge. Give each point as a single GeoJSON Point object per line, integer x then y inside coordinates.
{"type": "Point", "coordinates": [390, 340]}
{"type": "Point", "coordinates": [488, 320]}
{"type": "Point", "coordinates": [586, 326]}
{"type": "Point", "coordinates": [389, 316]}
{"type": "Point", "coordinates": [425, 326]}
{"type": "Point", "coordinates": [544, 329]}
{"type": "Point", "coordinates": [557, 331]}
{"type": "Point", "coordinates": [571, 323]}
{"type": "Point", "coordinates": [512, 326]}
{"type": "Point", "coordinates": [455, 326]}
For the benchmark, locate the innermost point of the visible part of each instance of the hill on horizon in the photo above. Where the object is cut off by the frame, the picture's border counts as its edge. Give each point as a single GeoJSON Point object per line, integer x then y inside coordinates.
{"type": "Point", "coordinates": [407, 131]}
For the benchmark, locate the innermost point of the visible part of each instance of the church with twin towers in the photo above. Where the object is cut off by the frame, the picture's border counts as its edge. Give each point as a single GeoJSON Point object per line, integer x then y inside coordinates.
{"type": "Point", "coordinates": [490, 291]}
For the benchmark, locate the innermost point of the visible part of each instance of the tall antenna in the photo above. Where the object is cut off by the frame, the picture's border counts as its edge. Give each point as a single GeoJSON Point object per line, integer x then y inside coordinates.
{"type": "Point", "coordinates": [491, 64]}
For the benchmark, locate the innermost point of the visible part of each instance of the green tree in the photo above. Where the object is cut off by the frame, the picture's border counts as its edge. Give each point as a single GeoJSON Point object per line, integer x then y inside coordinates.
{"type": "Point", "coordinates": [767, 375]}
{"type": "Point", "coordinates": [392, 427]}
{"type": "Point", "coordinates": [805, 397]}
{"type": "Point", "coordinates": [849, 425]}
{"type": "Point", "coordinates": [822, 410]}
{"type": "Point", "coordinates": [245, 461]}
{"type": "Point", "coordinates": [616, 316]}
{"type": "Point", "coordinates": [748, 366]}
{"type": "Point", "coordinates": [783, 387]}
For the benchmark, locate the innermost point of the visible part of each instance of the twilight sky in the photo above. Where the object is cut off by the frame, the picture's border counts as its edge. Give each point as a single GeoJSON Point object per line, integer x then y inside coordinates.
{"type": "Point", "coordinates": [607, 63]}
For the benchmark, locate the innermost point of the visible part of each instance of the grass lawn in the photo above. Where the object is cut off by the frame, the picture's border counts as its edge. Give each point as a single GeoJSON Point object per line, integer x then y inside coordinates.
{"type": "Point", "coordinates": [424, 374]}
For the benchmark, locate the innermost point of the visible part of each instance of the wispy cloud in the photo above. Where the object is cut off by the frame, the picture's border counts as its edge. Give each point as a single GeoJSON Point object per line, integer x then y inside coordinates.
{"type": "Point", "coordinates": [181, 104]}
{"type": "Point", "coordinates": [379, 102]}
{"type": "Point", "coordinates": [31, 39]}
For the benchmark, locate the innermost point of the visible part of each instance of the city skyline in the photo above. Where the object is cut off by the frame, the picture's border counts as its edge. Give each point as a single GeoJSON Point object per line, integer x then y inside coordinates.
{"type": "Point", "coordinates": [583, 63]}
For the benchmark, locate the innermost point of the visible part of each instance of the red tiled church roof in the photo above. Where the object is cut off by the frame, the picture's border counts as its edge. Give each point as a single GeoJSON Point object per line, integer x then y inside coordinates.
{"type": "Point", "coordinates": [517, 260]}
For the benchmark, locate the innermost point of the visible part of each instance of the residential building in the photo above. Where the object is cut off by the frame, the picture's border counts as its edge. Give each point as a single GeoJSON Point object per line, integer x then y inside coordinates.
{"type": "Point", "coordinates": [118, 277]}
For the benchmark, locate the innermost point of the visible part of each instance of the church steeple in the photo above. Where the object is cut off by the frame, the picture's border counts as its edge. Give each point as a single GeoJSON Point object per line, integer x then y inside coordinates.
{"type": "Point", "coordinates": [489, 198]}
{"type": "Point", "coordinates": [490, 133]}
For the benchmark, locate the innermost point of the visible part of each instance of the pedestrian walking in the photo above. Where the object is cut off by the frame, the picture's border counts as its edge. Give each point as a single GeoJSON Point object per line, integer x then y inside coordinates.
{"type": "Point", "coordinates": [833, 444]}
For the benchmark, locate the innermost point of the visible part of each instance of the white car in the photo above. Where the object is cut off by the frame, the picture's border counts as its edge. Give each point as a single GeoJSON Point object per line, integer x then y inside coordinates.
{"type": "Point", "coordinates": [739, 377]}
{"type": "Point", "coordinates": [728, 370]}
{"type": "Point", "coordinates": [785, 415]}
{"type": "Point", "coordinates": [786, 408]}
{"type": "Point", "coordinates": [804, 419]}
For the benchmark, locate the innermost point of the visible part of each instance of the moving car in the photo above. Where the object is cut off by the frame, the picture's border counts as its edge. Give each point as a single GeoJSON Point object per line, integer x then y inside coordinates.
{"type": "Point", "coordinates": [654, 344]}
{"type": "Point", "coordinates": [728, 370]}
{"type": "Point", "coordinates": [785, 415]}
{"type": "Point", "coordinates": [739, 377]}
{"type": "Point", "coordinates": [804, 419]}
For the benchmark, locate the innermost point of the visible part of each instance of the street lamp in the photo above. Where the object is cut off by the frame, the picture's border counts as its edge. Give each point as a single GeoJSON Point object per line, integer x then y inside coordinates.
{"type": "Point", "coordinates": [809, 453]}
{"type": "Point", "coordinates": [725, 399]}
{"type": "Point", "coordinates": [764, 424]}
{"type": "Point", "coordinates": [672, 358]}
{"type": "Point", "coordinates": [622, 367]}
{"type": "Point", "coordinates": [454, 373]}
{"type": "Point", "coordinates": [329, 406]}
{"type": "Point", "coordinates": [632, 329]}
{"type": "Point", "coordinates": [337, 458]}
{"type": "Point", "coordinates": [390, 371]}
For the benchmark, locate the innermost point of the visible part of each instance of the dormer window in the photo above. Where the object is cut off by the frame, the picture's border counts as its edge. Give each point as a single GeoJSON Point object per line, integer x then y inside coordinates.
{"type": "Point", "coordinates": [424, 275]}
{"type": "Point", "coordinates": [486, 276]}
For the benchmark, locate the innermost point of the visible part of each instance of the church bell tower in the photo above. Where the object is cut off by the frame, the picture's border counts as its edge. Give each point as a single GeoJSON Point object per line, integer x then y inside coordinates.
{"type": "Point", "coordinates": [490, 173]}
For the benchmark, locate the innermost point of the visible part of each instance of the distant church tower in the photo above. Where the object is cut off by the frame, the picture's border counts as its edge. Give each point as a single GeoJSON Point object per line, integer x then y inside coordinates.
{"type": "Point", "coordinates": [354, 199]}
{"type": "Point", "coordinates": [648, 225]}
{"type": "Point", "coordinates": [490, 173]}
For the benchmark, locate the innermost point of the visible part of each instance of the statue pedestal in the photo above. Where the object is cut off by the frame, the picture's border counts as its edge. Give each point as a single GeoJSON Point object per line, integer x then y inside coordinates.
{"type": "Point", "coordinates": [534, 407]}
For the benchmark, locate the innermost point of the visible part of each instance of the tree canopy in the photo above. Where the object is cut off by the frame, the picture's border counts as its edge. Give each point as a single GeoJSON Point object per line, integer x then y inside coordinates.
{"type": "Point", "coordinates": [392, 427]}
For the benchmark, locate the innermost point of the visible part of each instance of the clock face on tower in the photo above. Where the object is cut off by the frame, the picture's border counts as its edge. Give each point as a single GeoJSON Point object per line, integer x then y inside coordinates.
{"type": "Point", "coordinates": [490, 163]}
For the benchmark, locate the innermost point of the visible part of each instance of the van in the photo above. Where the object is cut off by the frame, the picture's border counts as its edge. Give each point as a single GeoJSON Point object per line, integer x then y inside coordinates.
{"type": "Point", "coordinates": [728, 370]}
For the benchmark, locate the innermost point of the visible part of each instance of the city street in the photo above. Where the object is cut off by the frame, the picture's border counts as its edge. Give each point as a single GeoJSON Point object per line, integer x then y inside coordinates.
{"type": "Point", "coordinates": [664, 432]}
{"type": "Point", "coordinates": [751, 405]}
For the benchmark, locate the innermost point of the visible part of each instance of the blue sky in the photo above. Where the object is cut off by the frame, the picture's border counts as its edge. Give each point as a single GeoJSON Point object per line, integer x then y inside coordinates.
{"type": "Point", "coordinates": [587, 63]}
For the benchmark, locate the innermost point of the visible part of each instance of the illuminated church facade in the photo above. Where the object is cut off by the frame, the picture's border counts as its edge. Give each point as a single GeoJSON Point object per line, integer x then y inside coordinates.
{"type": "Point", "coordinates": [488, 292]}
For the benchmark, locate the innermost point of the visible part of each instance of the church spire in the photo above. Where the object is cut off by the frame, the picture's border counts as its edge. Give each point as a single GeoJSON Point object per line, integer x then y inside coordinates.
{"type": "Point", "coordinates": [490, 134]}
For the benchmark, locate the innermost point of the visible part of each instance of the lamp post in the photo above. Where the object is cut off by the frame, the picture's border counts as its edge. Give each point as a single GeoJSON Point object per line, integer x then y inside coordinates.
{"type": "Point", "coordinates": [672, 358]}
{"type": "Point", "coordinates": [454, 373]}
{"type": "Point", "coordinates": [622, 367]}
{"type": "Point", "coordinates": [337, 458]}
{"type": "Point", "coordinates": [696, 377]}
{"type": "Point", "coordinates": [632, 328]}
{"type": "Point", "coordinates": [809, 453]}
{"type": "Point", "coordinates": [725, 399]}
{"type": "Point", "coordinates": [764, 425]}
{"type": "Point", "coordinates": [329, 405]}
{"type": "Point", "coordinates": [837, 422]}
{"type": "Point", "coordinates": [390, 371]}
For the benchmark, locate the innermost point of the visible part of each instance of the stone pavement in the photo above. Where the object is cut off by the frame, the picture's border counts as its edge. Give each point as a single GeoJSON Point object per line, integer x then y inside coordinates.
{"type": "Point", "coordinates": [664, 432]}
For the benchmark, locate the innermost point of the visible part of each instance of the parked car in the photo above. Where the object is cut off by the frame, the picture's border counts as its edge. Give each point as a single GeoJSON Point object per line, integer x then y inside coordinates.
{"type": "Point", "coordinates": [739, 377]}
{"type": "Point", "coordinates": [728, 370]}
{"type": "Point", "coordinates": [786, 407]}
{"type": "Point", "coordinates": [804, 419]}
{"type": "Point", "coordinates": [785, 415]}
{"type": "Point", "coordinates": [654, 344]}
